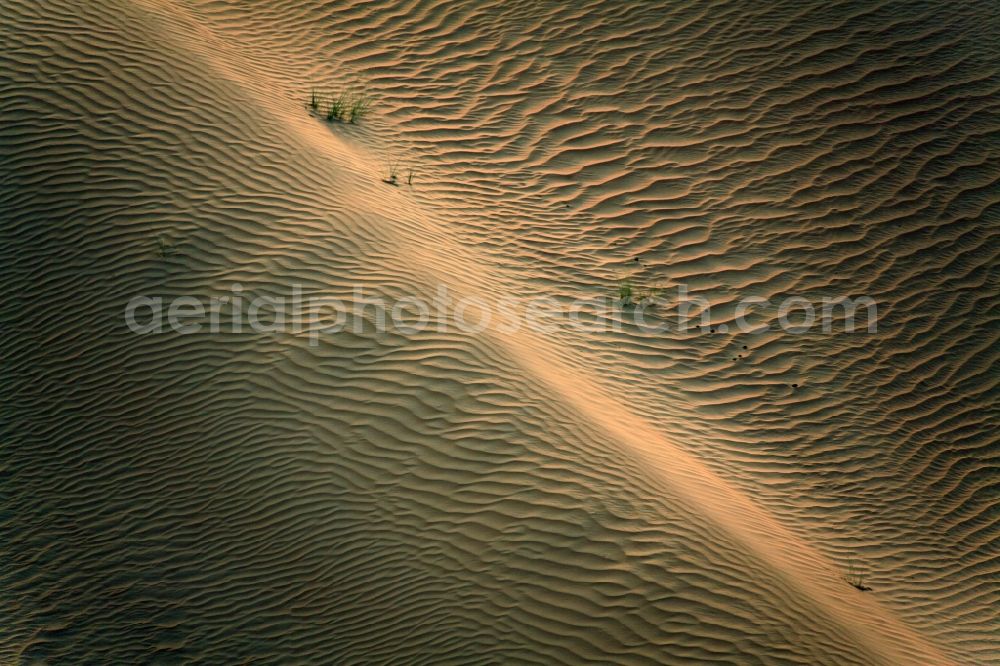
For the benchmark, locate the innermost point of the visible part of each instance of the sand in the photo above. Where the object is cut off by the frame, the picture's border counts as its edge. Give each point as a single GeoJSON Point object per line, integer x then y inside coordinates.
{"type": "Point", "coordinates": [454, 496]}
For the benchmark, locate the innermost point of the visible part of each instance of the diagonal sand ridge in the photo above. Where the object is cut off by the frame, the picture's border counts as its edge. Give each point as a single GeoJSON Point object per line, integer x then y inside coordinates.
{"type": "Point", "coordinates": [455, 497]}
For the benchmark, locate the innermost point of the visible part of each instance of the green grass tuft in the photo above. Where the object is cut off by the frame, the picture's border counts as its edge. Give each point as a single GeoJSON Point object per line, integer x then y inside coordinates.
{"type": "Point", "coordinates": [344, 106]}
{"type": "Point", "coordinates": [336, 107]}
{"type": "Point", "coordinates": [625, 292]}
{"type": "Point", "coordinates": [359, 105]}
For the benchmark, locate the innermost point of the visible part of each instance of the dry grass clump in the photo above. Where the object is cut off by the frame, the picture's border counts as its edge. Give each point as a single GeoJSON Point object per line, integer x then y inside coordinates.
{"type": "Point", "coordinates": [856, 578]}
{"type": "Point", "coordinates": [390, 174]}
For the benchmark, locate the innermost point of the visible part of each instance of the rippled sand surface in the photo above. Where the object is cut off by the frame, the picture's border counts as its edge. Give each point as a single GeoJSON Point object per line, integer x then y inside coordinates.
{"type": "Point", "coordinates": [447, 496]}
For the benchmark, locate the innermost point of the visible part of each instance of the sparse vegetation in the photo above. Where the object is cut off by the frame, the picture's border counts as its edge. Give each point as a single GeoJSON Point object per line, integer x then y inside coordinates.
{"type": "Point", "coordinates": [336, 107]}
{"type": "Point", "coordinates": [630, 294]}
{"type": "Point", "coordinates": [391, 175]}
{"type": "Point", "coordinates": [409, 178]}
{"type": "Point", "coordinates": [343, 106]}
{"type": "Point", "coordinates": [164, 248]}
{"type": "Point", "coordinates": [359, 105]}
{"type": "Point", "coordinates": [625, 292]}
{"type": "Point", "coordinates": [856, 578]}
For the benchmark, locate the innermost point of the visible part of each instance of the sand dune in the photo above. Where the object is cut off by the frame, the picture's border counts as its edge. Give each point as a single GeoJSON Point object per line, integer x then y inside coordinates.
{"type": "Point", "coordinates": [571, 495]}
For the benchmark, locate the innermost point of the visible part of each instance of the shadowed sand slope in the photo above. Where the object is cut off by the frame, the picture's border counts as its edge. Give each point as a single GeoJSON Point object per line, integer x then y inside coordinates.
{"type": "Point", "coordinates": [493, 497]}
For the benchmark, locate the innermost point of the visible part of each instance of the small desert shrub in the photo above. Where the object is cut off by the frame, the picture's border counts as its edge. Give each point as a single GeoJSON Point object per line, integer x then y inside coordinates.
{"type": "Point", "coordinates": [314, 101]}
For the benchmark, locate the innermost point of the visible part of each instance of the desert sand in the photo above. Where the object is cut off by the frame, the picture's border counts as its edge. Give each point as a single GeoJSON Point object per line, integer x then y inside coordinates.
{"type": "Point", "coordinates": [553, 494]}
